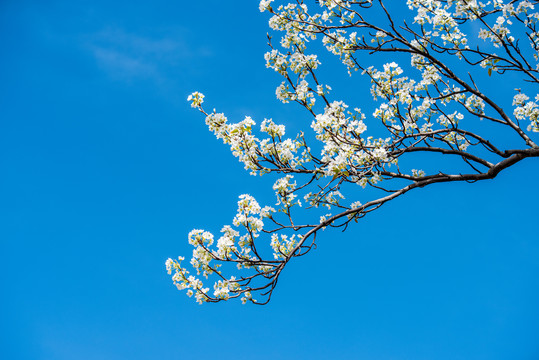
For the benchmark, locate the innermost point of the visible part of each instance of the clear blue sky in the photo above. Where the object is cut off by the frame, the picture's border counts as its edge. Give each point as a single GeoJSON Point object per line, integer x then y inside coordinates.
{"type": "Point", "coordinates": [104, 169]}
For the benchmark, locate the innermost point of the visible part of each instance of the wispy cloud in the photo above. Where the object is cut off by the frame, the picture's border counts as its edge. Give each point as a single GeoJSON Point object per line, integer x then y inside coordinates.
{"type": "Point", "coordinates": [130, 56]}
{"type": "Point", "coordinates": [124, 65]}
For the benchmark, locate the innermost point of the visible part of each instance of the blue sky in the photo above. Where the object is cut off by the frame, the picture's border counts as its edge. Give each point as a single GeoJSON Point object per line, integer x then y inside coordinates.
{"type": "Point", "coordinates": [105, 169]}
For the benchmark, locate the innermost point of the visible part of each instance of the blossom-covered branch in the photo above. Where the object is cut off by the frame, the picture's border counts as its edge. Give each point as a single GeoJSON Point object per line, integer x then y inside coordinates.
{"type": "Point", "coordinates": [438, 103]}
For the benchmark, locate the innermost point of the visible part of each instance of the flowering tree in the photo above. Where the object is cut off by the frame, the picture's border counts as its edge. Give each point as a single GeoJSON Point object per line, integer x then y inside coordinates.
{"type": "Point", "coordinates": [437, 104]}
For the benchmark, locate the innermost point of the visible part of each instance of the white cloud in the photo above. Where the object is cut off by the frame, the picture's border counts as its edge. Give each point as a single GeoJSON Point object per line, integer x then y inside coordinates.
{"type": "Point", "coordinates": [124, 65]}
{"type": "Point", "coordinates": [129, 56]}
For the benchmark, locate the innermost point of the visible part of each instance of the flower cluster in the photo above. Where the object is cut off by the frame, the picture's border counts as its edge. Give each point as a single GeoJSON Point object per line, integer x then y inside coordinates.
{"type": "Point", "coordinates": [196, 99]}
{"type": "Point", "coordinates": [284, 189]}
{"type": "Point", "coordinates": [443, 23]}
{"type": "Point", "coordinates": [526, 109]}
{"type": "Point", "coordinates": [183, 281]}
{"type": "Point", "coordinates": [282, 245]}
{"type": "Point", "coordinates": [231, 246]}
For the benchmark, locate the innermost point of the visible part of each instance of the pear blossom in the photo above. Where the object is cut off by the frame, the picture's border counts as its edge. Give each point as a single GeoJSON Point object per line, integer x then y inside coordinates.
{"type": "Point", "coordinates": [441, 90]}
